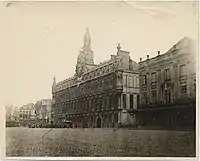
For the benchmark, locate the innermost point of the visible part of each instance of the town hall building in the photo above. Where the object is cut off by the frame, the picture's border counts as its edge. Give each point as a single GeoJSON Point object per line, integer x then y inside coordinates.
{"type": "Point", "coordinates": [98, 95]}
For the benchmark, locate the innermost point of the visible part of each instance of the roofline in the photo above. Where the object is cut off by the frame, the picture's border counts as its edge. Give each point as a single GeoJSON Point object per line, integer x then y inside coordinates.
{"type": "Point", "coordinates": [167, 52]}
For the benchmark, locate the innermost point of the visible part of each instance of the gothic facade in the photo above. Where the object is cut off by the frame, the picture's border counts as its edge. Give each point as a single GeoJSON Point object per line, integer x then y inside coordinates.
{"type": "Point", "coordinates": [98, 95]}
{"type": "Point", "coordinates": [168, 87]}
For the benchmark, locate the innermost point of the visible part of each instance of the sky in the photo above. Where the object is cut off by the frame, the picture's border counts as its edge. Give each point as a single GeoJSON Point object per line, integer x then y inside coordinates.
{"type": "Point", "coordinates": [40, 40]}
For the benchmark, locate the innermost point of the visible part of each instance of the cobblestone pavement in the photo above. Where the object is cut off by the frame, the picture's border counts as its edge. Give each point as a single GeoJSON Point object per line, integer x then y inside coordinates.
{"type": "Point", "coordinates": [99, 142]}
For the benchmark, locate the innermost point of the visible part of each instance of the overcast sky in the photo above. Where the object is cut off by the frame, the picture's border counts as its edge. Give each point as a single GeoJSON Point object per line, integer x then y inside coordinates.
{"type": "Point", "coordinates": [42, 39]}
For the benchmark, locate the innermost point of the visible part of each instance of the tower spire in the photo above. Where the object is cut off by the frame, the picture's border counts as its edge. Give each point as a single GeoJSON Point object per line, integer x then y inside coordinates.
{"type": "Point", "coordinates": [85, 57]}
{"type": "Point", "coordinates": [87, 38]}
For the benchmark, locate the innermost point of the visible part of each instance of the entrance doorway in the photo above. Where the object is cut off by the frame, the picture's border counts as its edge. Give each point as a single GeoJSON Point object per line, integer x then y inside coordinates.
{"type": "Point", "coordinates": [98, 122]}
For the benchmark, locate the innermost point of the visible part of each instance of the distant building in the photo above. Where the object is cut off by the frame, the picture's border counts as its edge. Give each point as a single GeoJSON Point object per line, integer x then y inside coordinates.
{"type": "Point", "coordinates": [168, 87]}
{"type": "Point", "coordinates": [15, 114]}
{"type": "Point", "coordinates": [44, 110]}
{"type": "Point", "coordinates": [98, 95]}
{"type": "Point", "coordinates": [27, 112]}
{"type": "Point", "coordinates": [9, 112]}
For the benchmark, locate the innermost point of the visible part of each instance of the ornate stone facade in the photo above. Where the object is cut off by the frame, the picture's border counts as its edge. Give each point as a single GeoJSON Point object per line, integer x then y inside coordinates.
{"type": "Point", "coordinates": [99, 95]}
{"type": "Point", "coordinates": [168, 81]}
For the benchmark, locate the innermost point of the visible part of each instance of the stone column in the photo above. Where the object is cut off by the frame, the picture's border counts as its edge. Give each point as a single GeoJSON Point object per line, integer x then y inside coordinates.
{"type": "Point", "coordinates": [120, 117]}
{"type": "Point", "coordinates": [190, 84]}
{"type": "Point", "coordinates": [119, 104]}
{"type": "Point", "coordinates": [178, 95]}
{"type": "Point", "coordinates": [172, 81]}
{"type": "Point", "coordinates": [161, 83]}
{"type": "Point", "coordinates": [148, 87]}
{"type": "Point", "coordinates": [158, 85]}
{"type": "Point", "coordinates": [135, 101]}
{"type": "Point", "coordinates": [121, 101]}
{"type": "Point", "coordinates": [127, 101]}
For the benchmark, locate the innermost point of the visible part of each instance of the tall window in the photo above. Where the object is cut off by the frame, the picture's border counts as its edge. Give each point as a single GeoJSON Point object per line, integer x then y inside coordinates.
{"type": "Point", "coordinates": [91, 118]}
{"type": "Point", "coordinates": [167, 74]}
{"type": "Point", "coordinates": [153, 77]}
{"type": "Point", "coordinates": [183, 91]}
{"type": "Point", "coordinates": [137, 82]}
{"type": "Point", "coordinates": [114, 101]}
{"type": "Point", "coordinates": [145, 98]}
{"type": "Point", "coordinates": [144, 79]}
{"type": "Point", "coordinates": [131, 101]}
{"type": "Point", "coordinates": [183, 70]}
{"type": "Point", "coordinates": [109, 102]}
{"type": "Point", "coordinates": [167, 96]}
{"type": "Point", "coordinates": [154, 96]}
{"type": "Point", "coordinates": [124, 100]}
{"type": "Point", "coordinates": [125, 80]}
{"type": "Point", "coordinates": [95, 104]}
{"type": "Point", "coordinates": [100, 104]}
{"type": "Point", "coordinates": [92, 104]}
{"type": "Point", "coordinates": [116, 117]}
{"type": "Point", "coordinates": [131, 82]}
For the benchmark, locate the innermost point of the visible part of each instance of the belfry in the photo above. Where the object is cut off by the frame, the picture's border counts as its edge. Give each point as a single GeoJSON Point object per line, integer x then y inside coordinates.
{"type": "Point", "coordinates": [85, 58]}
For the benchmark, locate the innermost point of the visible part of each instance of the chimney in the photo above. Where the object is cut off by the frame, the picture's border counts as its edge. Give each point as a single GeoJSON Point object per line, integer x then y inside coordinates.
{"type": "Point", "coordinates": [140, 59]}
{"type": "Point", "coordinates": [158, 53]}
{"type": "Point", "coordinates": [147, 56]}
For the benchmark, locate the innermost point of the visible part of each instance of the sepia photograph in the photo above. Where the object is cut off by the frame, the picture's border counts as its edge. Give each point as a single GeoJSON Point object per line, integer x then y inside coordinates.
{"type": "Point", "coordinates": [99, 78]}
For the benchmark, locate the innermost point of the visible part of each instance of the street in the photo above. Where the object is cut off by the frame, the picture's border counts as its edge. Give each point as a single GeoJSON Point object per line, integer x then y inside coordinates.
{"type": "Point", "coordinates": [98, 142]}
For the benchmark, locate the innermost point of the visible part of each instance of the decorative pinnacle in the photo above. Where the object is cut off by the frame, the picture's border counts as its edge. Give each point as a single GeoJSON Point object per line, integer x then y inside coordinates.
{"type": "Point", "coordinates": [54, 80]}
{"type": "Point", "coordinates": [119, 47]}
{"type": "Point", "coordinates": [87, 38]}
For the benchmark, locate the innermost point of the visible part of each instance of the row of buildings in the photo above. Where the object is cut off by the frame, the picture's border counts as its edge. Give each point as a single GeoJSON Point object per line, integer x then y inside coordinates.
{"type": "Point", "coordinates": [12, 113]}
{"type": "Point", "coordinates": [158, 91]}
{"type": "Point", "coordinates": [38, 113]}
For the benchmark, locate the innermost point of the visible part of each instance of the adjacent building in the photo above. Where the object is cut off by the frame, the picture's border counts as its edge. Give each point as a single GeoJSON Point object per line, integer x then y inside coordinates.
{"type": "Point", "coordinates": [98, 95]}
{"type": "Point", "coordinates": [15, 114]}
{"type": "Point", "coordinates": [43, 110]}
{"type": "Point", "coordinates": [12, 116]}
{"type": "Point", "coordinates": [168, 87]}
{"type": "Point", "coordinates": [27, 114]}
{"type": "Point", "coordinates": [9, 111]}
